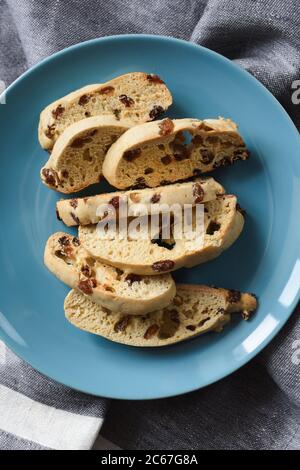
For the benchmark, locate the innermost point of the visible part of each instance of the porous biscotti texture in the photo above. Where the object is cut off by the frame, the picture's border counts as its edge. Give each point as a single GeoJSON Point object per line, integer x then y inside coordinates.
{"type": "Point", "coordinates": [223, 223]}
{"type": "Point", "coordinates": [111, 288]}
{"type": "Point", "coordinates": [162, 152]}
{"type": "Point", "coordinates": [137, 96]}
{"type": "Point", "coordinates": [77, 156]}
{"type": "Point", "coordinates": [195, 310]}
{"type": "Point", "coordinates": [90, 210]}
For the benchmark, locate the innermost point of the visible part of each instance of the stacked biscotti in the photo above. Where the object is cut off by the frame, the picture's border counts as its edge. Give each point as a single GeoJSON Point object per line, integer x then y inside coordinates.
{"type": "Point", "coordinates": [122, 287]}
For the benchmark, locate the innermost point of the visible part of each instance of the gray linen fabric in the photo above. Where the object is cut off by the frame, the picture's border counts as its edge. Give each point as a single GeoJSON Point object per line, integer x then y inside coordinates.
{"type": "Point", "coordinates": [38, 413]}
{"type": "Point", "coordinates": [258, 406]}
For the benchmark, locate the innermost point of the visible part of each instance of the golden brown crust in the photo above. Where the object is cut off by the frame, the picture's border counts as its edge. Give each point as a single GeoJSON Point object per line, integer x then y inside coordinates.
{"type": "Point", "coordinates": [195, 310]}
{"type": "Point", "coordinates": [133, 96]}
{"type": "Point", "coordinates": [77, 156]}
{"type": "Point", "coordinates": [83, 211]}
{"type": "Point", "coordinates": [106, 286]}
{"type": "Point", "coordinates": [214, 143]}
{"type": "Point", "coordinates": [144, 257]}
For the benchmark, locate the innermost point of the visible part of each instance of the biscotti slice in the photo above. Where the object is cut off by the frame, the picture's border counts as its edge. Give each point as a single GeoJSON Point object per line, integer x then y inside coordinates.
{"type": "Point", "coordinates": [77, 156]}
{"type": "Point", "coordinates": [223, 223]}
{"type": "Point", "coordinates": [105, 285]}
{"type": "Point", "coordinates": [195, 310]}
{"type": "Point", "coordinates": [90, 210]}
{"type": "Point", "coordinates": [162, 152]}
{"type": "Point", "coordinates": [138, 96]}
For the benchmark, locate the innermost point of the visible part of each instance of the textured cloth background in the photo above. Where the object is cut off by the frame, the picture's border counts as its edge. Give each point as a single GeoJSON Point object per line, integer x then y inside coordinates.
{"type": "Point", "coordinates": [257, 407]}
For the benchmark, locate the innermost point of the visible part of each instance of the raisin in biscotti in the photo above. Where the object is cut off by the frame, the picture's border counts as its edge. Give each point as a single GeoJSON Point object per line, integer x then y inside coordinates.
{"type": "Point", "coordinates": [77, 156]}
{"type": "Point", "coordinates": [195, 310]}
{"type": "Point", "coordinates": [162, 152]}
{"type": "Point", "coordinates": [111, 288]}
{"type": "Point", "coordinates": [87, 210]}
{"type": "Point", "coordinates": [137, 96]}
{"type": "Point", "coordinates": [223, 223]}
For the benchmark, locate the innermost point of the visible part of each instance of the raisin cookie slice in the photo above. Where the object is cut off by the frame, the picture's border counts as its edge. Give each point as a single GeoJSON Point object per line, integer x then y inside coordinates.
{"type": "Point", "coordinates": [137, 96]}
{"type": "Point", "coordinates": [174, 149]}
{"type": "Point", "coordinates": [195, 310]}
{"type": "Point", "coordinates": [109, 287]}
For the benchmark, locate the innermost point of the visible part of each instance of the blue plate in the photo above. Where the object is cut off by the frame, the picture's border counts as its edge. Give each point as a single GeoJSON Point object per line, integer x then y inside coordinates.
{"type": "Point", "coordinates": [264, 260]}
